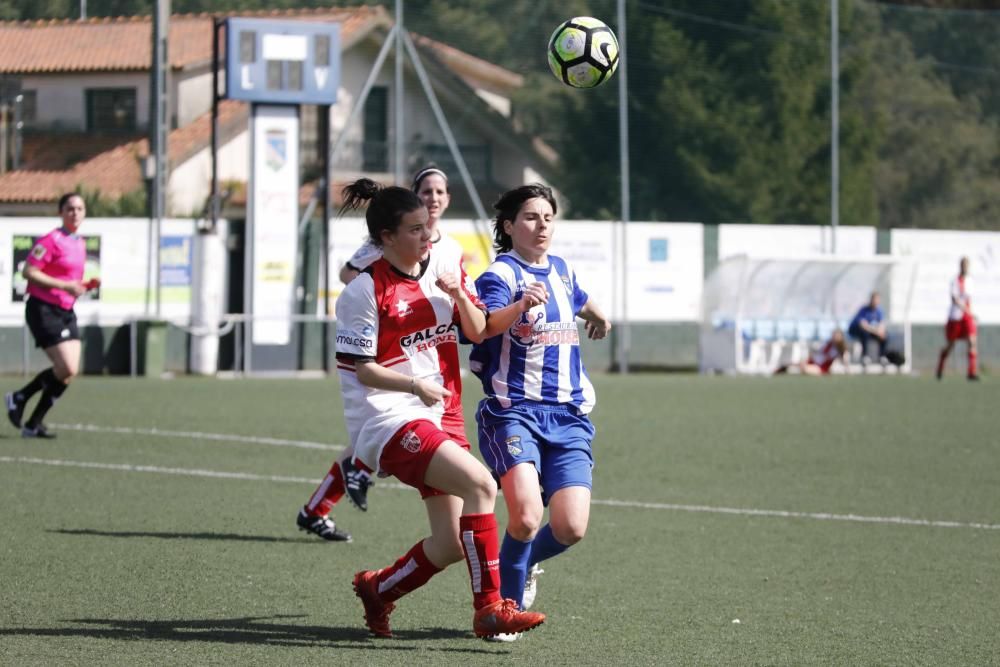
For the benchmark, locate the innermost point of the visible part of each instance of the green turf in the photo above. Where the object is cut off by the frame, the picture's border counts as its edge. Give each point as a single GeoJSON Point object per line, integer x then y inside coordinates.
{"type": "Point", "coordinates": [103, 566]}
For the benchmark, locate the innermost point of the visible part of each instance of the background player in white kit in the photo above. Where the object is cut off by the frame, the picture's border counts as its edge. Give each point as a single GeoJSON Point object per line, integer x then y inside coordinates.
{"type": "Point", "coordinates": [961, 322]}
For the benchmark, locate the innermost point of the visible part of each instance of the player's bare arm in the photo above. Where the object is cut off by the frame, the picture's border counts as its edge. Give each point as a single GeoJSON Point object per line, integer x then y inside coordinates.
{"type": "Point", "coordinates": [376, 376]}
{"type": "Point", "coordinates": [502, 319]}
{"type": "Point", "coordinates": [597, 325]}
{"type": "Point", "coordinates": [471, 317]}
{"type": "Point", "coordinates": [35, 275]}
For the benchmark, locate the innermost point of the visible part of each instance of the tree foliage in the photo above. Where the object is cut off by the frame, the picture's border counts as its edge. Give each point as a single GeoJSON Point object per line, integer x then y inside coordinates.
{"type": "Point", "coordinates": [729, 103]}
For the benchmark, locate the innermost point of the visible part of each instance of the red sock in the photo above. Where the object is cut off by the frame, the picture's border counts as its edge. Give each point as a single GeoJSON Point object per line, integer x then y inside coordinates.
{"type": "Point", "coordinates": [482, 555]}
{"type": "Point", "coordinates": [329, 492]}
{"type": "Point", "coordinates": [972, 362]}
{"type": "Point", "coordinates": [941, 359]}
{"type": "Point", "coordinates": [407, 574]}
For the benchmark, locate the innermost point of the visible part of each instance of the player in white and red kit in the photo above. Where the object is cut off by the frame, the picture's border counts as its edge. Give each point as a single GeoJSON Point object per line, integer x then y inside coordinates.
{"type": "Point", "coordinates": [961, 322]}
{"type": "Point", "coordinates": [431, 185]}
{"type": "Point", "coordinates": [397, 354]}
{"type": "Point", "coordinates": [54, 271]}
{"type": "Point", "coordinates": [821, 361]}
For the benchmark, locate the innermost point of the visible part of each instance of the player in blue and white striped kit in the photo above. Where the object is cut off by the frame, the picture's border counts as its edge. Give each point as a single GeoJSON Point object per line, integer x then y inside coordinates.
{"type": "Point", "coordinates": [534, 432]}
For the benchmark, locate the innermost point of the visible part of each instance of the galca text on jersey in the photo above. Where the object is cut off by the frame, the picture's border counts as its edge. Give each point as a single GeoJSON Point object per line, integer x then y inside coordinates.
{"type": "Point", "coordinates": [404, 323]}
{"type": "Point", "coordinates": [538, 357]}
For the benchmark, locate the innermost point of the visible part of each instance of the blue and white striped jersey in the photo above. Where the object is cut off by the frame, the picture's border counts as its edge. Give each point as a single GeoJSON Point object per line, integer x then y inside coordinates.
{"type": "Point", "coordinates": [538, 357]}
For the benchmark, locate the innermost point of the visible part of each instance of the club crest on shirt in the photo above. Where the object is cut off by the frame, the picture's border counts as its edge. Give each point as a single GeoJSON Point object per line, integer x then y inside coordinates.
{"type": "Point", "coordinates": [38, 251]}
{"type": "Point", "coordinates": [514, 445]}
{"type": "Point", "coordinates": [410, 442]}
{"type": "Point", "coordinates": [567, 284]}
{"type": "Point", "coordinates": [403, 308]}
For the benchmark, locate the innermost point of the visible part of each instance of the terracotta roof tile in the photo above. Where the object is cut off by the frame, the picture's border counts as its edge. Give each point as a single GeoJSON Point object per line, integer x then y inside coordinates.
{"type": "Point", "coordinates": [123, 44]}
{"type": "Point", "coordinates": [116, 171]}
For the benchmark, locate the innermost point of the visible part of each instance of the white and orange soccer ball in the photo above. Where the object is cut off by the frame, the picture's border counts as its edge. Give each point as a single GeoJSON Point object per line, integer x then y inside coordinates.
{"type": "Point", "coordinates": [583, 52]}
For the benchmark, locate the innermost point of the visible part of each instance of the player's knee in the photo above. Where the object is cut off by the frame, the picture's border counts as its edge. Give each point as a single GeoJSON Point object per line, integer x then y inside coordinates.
{"type": "Point", "coordinates": [569, 532]}
{"type": "Point", "coordinates": [482, 488]}
{"type": "Point", "coordinates": [524, 525]}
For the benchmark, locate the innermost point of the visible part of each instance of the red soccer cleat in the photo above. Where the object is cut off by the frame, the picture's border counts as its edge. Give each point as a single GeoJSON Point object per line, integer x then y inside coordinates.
{"type": "Point", "coordinates": [504, 618]}
{"type": "Point", "coordinates": [376, 611]}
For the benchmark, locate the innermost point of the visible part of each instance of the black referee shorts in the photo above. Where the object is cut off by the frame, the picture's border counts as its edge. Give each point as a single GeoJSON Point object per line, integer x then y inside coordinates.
{"type": "Point", "coordinates": [50, 324]}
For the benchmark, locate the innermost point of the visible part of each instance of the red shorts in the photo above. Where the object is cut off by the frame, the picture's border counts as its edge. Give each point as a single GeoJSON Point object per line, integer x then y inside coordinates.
{"type": "Point", "coordinates": [454, 426]}
{"type": "Point", "coordinates": [409, 452]}
{"type": "Point", "coordinates": [960, 329]}
{"type": "Point", "coordinates": [824, 367]}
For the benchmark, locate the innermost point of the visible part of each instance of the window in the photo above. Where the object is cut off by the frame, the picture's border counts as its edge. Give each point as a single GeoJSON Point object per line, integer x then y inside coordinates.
{"type": "Point", "coordinates": [111, 110]}
{"type": "Point", "coordinates": [29, 107]}
{"type": "Point", "coordinates": [375, 150]}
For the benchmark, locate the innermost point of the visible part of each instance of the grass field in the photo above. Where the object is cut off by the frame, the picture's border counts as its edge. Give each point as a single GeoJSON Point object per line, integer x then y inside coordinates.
{"type": "Point", "coordinates": [843, 521]}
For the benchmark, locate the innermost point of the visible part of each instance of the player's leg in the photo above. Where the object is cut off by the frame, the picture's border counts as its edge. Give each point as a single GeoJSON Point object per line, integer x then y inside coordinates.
{"type": "Point", "coordinates": [65, 358]}
{"type": "Point", "coordinates": [523, 497]}
{"type": "Point", "coordinates": [314, 517]}
{"type": "Point", "coordinates": [950, 338]}
{"type": "Point", "coordinates": [973, 370]}
{"type": "Point", "coordinates": [455, 471]}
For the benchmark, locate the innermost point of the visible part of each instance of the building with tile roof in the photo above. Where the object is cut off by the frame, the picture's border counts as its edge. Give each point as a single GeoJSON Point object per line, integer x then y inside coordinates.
{"type": "Point", "coordinates": [85, 107]}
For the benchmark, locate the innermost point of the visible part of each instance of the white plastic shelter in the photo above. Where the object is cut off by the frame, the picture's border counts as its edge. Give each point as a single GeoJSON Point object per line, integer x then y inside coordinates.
{"type": "Point", "coordinates": [761, 313]}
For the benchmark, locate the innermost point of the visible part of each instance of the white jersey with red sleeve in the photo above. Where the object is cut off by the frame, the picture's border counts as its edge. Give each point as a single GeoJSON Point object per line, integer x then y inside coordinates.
{"type": "Point", "coordinates": [404, 323]}
{"type": "Point", "coordinates": [960, 293]}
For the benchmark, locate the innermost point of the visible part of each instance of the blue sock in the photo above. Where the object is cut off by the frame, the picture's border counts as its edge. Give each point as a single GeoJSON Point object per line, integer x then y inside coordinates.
{"type": "Point", "coordinates": [544, 546]}
{"type": "Point", "coordinates": [513, 568]}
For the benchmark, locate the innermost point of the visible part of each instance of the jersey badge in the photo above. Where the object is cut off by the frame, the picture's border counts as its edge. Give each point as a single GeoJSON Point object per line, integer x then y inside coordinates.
{"type": "Point", "coordinates": [514, 445]}
{"type": "Point", "coordinates": [410, 442]}
{"type": "Point", "coordinates": [403, 308]}
{"type": "Point", "coordinates": [38, 251]}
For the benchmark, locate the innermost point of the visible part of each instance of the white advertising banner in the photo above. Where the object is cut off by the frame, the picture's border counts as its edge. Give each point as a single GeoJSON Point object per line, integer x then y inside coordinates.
{"type": "Point", "coordinates": [791, 241]}
{"type": "Point", "coordinates": [665, 271]}
{"type": "Point", "coordinates": [938, 253]}
{"type": "Point", "coordinates": [117, 253]}
{"type": "Point", "coordinates": [665, 262]}
{"type": "Point", "coordinates": [274, 209]}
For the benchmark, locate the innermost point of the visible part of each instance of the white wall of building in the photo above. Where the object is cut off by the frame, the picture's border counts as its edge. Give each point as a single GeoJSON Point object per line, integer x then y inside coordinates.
{"type": "Point", "coordinates": [62, 100]}
{"type": "Point", "coordinates": [190, 184]}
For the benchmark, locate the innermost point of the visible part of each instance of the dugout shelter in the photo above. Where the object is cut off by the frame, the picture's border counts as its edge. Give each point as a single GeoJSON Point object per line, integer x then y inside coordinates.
{"type": "Point", "coordinates": [762, 313]}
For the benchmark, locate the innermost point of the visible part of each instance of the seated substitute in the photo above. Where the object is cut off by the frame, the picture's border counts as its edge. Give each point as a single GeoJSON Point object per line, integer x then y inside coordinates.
{"type": "Point", "coordinates": [868, 325]}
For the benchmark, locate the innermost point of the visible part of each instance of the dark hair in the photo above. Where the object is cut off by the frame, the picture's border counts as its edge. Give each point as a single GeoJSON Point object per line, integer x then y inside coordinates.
{"type": "Point", "coordinates": [508, 206]}
{"type": "Point", "coordinates": [386, 207]}
{"type": "Point", "coordinates": [432, 168]}
{"type": "Point", "coordinates": [66, 197]}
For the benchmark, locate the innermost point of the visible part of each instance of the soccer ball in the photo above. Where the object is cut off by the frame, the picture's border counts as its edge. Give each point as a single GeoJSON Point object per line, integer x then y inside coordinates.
{"type": "Point", "coordinates": [583, 52]}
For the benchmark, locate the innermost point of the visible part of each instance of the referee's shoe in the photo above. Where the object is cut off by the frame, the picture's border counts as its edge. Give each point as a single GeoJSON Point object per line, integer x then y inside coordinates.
{"type": "Point", "coordinates": [37, 432]}
{"type": "Point", "coordinates": [15, 408]}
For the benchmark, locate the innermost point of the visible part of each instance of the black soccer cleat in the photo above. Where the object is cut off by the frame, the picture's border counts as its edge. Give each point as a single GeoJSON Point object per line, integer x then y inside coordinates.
{"type": "Point", "coordinates": [15, 408]}
{"type": "Point", "coordinates": [322, 526]}
{"type": "Point", "coordinates": [37, 432]}
{"type": "Point", "coordinates": [357, 483]}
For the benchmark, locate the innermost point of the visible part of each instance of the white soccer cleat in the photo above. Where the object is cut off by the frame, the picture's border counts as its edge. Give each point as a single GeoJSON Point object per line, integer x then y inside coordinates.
{"type": "Point", "coordinates": [530, 587]}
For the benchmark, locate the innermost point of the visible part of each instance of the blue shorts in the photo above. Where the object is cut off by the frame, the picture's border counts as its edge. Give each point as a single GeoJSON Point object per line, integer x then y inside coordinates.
{"type": "Point", "coordinates": [554, 438]}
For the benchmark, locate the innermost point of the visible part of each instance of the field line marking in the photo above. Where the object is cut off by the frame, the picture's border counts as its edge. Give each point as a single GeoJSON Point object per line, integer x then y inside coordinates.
{"type": "Point", "coordinates": [198, 435]}
{"type": "Point", "coordinates": [708, 509]}
{"type": "Point", "coordinates": [786, 514]}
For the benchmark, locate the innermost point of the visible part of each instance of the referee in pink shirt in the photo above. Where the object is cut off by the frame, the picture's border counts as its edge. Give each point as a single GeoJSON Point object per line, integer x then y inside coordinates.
{"type": "Point", "coordinates": [54, 272]}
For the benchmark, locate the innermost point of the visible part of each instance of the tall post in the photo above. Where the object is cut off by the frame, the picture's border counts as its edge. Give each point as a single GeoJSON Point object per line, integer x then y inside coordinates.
{"type": "Point", "coordinates": [400, 148]}
{"type": "Point", "coordinates": [325, 180]}
{"type": "Point", "coordinates": [834, 124]}
{"type": "Point", "coordinates": [622, 340]}
{"type": "Point", "coordinates": [213, 200]}
{"type": "Point", "coordinates": [159, 119]}
{"type": "Point", "coordinates": [83, 10]}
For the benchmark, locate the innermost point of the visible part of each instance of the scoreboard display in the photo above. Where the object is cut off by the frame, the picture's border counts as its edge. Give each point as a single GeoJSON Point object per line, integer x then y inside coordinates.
{"type": "Point", "coordinates": [282, 62]}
